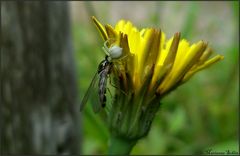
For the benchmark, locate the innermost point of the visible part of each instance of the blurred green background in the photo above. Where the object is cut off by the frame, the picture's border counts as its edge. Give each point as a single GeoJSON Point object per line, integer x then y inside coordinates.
{"type": "Point", "coordinates": [200, 115]}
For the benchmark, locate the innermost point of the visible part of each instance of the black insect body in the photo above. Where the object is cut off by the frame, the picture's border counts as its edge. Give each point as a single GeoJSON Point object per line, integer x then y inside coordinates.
{"type": "Point", "coordinates": [104, 70]}
{"type": "Point", "coordinates": [102, 74]}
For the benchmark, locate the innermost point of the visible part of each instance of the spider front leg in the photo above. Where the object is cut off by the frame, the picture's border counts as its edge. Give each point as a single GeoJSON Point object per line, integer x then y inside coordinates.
{"type": "Point", "coordinates": [105, 48]}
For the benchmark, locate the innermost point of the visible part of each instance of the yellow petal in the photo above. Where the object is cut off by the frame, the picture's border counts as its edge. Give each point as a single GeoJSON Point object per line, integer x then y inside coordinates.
{"type": "Point", "coordinates": [203, 66]}
{"type": "Point", "coordinates": [179, 70]}
{"type": "Point", "coordinates": [111, 33]}
{"type": "Point", "coordinates": [119, 26]}
{"type": "Point", "coordinates": [100, 28]}
{"type": "Point", "coordinates": [164, 50]}
{"type": "Point", "coordinates": [205, 55]}
{"type": "Point", "coordinates": [173, 50]}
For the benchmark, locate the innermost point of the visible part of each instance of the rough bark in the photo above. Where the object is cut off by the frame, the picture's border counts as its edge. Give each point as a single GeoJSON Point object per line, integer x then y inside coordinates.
{"type": "Point", "coordinates": [38, 112]}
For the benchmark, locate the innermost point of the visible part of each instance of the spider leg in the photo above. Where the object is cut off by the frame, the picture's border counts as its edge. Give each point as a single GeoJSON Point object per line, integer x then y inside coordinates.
{"type": "Point", "coordinates": [105, 50]}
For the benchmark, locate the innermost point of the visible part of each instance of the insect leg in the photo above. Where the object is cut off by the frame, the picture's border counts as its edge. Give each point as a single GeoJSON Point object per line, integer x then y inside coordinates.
{"type": "Point", "coordinates": [116, 86]}
{"type": "Point", "coordinates": [109, 92]}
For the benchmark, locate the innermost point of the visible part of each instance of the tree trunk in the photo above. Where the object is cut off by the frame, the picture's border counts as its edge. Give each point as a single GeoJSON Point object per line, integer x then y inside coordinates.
{"type": "Point", "coordinates": [39, 112]}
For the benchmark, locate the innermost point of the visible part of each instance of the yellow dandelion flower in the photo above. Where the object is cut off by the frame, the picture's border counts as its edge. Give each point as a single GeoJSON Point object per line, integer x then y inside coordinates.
{"type": "Point", "coordinates": [151, 66]}
{"type": "Point", "coordinates": [172, 61]}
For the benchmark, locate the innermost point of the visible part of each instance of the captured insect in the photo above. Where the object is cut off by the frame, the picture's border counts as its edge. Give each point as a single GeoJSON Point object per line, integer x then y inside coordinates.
{"type": "Point", "coordinates": [104, 69]}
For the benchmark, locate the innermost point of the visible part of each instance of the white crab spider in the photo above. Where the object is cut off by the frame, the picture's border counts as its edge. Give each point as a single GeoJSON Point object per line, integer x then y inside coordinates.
{"type": "Point", "coordinates": [113, 52]}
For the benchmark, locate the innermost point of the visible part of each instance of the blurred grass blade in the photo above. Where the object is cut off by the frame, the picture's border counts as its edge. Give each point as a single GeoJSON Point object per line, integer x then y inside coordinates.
{"type": "Point", "coordinates": [190, 20]}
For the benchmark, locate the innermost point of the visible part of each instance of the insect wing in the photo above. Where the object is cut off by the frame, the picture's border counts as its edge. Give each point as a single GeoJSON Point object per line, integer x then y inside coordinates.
{"type": "Point", "coordinates": [91, 88]}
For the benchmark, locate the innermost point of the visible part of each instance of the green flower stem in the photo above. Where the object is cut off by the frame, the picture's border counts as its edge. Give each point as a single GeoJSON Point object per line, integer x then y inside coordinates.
{"type": "Point", "coordinates": [120, 146]}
